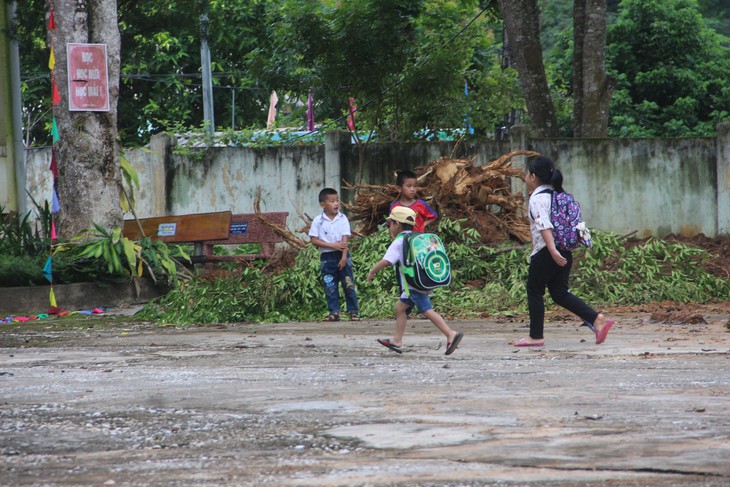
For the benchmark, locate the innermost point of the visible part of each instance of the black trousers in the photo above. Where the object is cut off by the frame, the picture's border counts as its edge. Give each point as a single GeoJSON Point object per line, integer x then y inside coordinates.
{"type": "Point", "coordinates": [544, 272]}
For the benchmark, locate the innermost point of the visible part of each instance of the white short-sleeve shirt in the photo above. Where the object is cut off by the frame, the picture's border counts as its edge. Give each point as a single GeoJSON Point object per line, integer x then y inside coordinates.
{"type": "Point", "coordinates": [539, 215]}
{"type": "Point", "coordinates": [330, 231]}
{"type": "Point", "coordinates": [394, 255]}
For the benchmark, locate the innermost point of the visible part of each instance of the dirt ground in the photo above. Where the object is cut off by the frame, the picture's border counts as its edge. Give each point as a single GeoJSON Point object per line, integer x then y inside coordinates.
{"type": "Point", "coordinates": [115, 402]}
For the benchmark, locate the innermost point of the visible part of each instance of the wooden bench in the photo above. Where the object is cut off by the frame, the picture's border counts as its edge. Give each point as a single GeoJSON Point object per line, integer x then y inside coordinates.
{"type": "Point", "coordinates": [248, 228]}
{"type": "Point", "coordinates": [206, 230]}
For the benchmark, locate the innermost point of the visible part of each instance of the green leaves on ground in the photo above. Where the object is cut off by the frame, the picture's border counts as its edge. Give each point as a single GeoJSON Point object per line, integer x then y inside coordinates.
{"type": "Point", "coordinates": [487, 280]}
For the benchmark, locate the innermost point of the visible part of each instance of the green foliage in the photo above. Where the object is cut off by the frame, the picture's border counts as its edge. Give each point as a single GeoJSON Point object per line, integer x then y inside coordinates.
{"type": "Point", "coordinates": [107, 254]}
{"type": "Point", "coordinates": [672, 72]}
{"type": "Point", "coordinates": [487, 280]}
{"type": "Point", "coordinates": [655, 270]}
{"type": "Point", "coordinates": [22, 270]}
{"type": "Point", "coordinates": [23, 235]}
{"type": "Point", "coordinates": [397, 56]}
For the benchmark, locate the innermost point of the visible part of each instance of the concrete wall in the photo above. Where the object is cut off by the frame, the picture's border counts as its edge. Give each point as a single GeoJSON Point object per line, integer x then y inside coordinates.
{"type": "Point", "coordinates": [653, 186]}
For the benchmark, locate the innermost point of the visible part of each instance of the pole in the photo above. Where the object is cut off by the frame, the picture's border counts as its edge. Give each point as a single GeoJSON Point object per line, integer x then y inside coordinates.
{"type": "Point", "coordinates": [17, 112]}
{"type": "Point", "coordinates": [208, 115]}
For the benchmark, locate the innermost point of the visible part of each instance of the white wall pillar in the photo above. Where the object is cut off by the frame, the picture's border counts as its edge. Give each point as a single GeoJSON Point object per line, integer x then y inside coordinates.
{"type": "Point", "coordinates": [333, 145]}
{"type": "Point", "coordinates": [723, 179]}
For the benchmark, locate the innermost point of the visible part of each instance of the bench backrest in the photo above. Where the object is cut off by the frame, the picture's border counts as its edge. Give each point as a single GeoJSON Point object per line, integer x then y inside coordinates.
{"type": "Point", "coordinates": [182, 228]}
{"type": "Point", "coordinates": [248, 228]}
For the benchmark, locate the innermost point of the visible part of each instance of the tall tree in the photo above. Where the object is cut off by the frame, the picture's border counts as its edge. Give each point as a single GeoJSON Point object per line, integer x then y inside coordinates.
{"type": "Point", "coordinates": [591, 88]}
{"type": "Point", "coordinates": [672, 72]}
{"type": "Point", "coordinates": [87, 149]}
{"type": "Point", "coordinates": [522, 23]}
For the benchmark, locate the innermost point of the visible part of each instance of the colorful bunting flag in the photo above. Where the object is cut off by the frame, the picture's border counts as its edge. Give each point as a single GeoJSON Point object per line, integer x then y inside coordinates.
{"type": "Point", "coordinates": [273, 100]}
{"type": "Point", "coordinates": [310, 112]}
{"type": "Point", "coordinates": [55, 204]}
{"type": "Point", "coordinates": [54, 131]}
{"type": "Point", "coordinates": [351, 115]}
{"type": "Point", "coordinates": [467, 118]}
{"type": "Point", "coordinates": [54, 166]}
{"type": "Point", "coordinates": [47, 270]}
{"type": "Point", "coordinates": [56, 93]}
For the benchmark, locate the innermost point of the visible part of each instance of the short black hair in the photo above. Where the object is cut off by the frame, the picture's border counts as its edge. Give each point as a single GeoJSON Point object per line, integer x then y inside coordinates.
{"type": "Point", "coordinates": [325, 193]}
{"type": "Point", "coordinates": [402, 175]}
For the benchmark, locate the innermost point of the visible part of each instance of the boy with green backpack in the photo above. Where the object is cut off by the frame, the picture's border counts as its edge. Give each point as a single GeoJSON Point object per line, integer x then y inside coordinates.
{"type": "Point", "coordinates": [432, 264]}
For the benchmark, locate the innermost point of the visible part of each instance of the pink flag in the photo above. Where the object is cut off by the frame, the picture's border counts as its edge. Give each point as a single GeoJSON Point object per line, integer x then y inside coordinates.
{"type": "Point", "coordinates": [273, 100]}
{"type": "Point", "coordinates": [351, 115]}
{"type": "Point", "coordinates": [310, 113]}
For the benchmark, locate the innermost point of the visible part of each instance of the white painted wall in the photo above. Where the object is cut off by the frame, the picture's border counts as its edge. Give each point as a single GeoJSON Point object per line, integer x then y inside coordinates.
{"type": "Point", "coordinates": [653, 186]}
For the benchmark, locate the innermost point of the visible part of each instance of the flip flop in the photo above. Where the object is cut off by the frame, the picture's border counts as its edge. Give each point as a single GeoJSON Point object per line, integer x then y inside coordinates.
{"type": "Point", "coordinates": [601, 335]}
{"type": "Point", "coordinates": [386, 343]}
{"type": "Point", "coordinates": [523, 342]}
{"type": "Point", "coordinates": [450, 347]}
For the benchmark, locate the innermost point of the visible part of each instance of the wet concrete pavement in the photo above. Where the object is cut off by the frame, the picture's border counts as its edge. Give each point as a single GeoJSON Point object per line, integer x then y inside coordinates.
{"type": "Point", "coordinates": [324, 404]}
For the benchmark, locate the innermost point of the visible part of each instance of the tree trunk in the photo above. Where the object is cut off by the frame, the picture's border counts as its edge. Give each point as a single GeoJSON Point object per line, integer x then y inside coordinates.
{"type": "Point", "coordinates": [522, 23]}
{"type": "Point", "coordinates": [591, 87]}
{"type": "Point", "coordinates": [87, 152]}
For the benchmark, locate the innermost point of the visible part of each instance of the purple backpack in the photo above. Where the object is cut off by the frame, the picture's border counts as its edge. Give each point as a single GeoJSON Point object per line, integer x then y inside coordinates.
{"type": "Point", "coordinates": [565, 216]}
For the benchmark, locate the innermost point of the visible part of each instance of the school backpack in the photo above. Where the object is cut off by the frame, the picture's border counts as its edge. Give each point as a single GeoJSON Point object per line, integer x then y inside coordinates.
{"type": "Point", "coordinates": [425, 263]}
{"type": "Point", "coordinates": [569, 230]}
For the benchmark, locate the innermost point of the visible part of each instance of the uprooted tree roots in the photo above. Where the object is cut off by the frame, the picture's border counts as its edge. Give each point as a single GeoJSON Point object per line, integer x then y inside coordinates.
{"type": "Point", "coordinates": [456, 189]}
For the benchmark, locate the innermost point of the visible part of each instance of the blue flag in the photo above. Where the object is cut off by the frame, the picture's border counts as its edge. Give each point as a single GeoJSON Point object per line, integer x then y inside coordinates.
{"type": "Point", "coordinates": [47, 273]}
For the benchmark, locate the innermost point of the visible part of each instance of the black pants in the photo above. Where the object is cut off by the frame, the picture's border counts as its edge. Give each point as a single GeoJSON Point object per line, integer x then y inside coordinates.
{"type": "Point", "coordinates": [544, 272]}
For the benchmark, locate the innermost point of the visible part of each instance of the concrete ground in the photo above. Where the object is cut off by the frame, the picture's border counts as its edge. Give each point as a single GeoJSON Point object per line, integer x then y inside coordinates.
{"type": "Point", "coordinates": [319, 404]}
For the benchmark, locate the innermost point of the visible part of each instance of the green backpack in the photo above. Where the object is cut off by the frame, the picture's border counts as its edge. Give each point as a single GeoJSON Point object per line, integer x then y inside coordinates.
{"type": "Point", "coordinates": [425, 263]}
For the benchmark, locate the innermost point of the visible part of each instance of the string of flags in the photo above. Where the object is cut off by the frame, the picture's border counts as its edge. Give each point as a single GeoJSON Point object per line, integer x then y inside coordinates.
{"type": "Point", "coordinates": [60, 313]}
{"type": "Point", "coordinates": [55, 204]}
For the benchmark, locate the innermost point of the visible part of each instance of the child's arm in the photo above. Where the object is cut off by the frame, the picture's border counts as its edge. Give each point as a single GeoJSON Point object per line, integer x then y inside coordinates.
{"type": "Point", "coordinates": [343, 260]}
{"type": "Point", "coordinates": [547, 236]}
{"type": "Point", "coordinates": [377, 268]}
{"type": "Point", "coordinates": [341, 245]}
{"type": "Point", "coordinates": [428, 214]}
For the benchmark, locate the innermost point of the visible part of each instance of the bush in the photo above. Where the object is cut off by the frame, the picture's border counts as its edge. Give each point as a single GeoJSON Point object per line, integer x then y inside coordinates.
{"type": "Point", "coordinates": [486, 280]}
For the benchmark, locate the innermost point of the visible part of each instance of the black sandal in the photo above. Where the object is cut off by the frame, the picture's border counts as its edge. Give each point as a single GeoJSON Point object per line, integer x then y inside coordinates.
{"type": "Point", "coordinates": [354, 317]}
{"type": "Point", "coordinates": [332, 317]}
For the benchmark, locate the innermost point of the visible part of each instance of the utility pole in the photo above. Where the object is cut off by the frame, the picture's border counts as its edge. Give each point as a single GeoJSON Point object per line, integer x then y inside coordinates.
{"type": "Point", "coordinates": [11, 119]}
{"type": "Point", "coordinates": [208, 115]}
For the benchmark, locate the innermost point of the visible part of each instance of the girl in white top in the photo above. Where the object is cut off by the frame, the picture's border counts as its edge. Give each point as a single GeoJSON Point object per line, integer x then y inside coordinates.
{"type": "Point", "coordinates": [550, 267]}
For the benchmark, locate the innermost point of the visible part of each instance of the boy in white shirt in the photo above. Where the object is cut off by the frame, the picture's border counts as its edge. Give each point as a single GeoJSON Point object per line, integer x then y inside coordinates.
{"type": "Point", "coordinates": [330, 232]}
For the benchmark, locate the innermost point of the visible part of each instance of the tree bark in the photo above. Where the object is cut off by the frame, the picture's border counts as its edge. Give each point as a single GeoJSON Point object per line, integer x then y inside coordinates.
{"type": "Point", "coordinates": [522, 23]}
{"type": "Point", "coordinates": [87, 152]}
{"type": "Point", "coordinates": [591, 87]}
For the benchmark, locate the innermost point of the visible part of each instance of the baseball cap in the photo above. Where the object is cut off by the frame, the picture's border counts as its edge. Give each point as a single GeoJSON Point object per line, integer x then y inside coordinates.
{"type": "Point", "coordinates": [402, 214]}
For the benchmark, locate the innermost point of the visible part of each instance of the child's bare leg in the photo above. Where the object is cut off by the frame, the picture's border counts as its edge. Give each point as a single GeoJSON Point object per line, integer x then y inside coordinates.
{"type": "Point", "coordinates": [441, 324]}
{"type": "Point", "coordinates": [401, 318]}
{"type": "Point", "coordinates": [599, 322]}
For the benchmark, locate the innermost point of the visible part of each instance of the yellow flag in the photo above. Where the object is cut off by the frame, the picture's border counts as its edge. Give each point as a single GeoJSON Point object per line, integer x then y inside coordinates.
{"type": "Point", "coordinates": [53, 299]}
{"type": "Point", "coordinates": [52, 60]}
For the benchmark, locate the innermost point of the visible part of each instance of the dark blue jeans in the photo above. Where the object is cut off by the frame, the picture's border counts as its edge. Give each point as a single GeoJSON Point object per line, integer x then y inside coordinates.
{"type": "Point", "coordinates": [545, 273]}
{"type": "Point", "coordinates": [332, 276]}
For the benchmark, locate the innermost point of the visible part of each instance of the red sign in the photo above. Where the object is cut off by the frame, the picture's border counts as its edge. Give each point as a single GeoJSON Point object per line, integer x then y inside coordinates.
{"type": "Point", "coordinates": [88, 79]}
